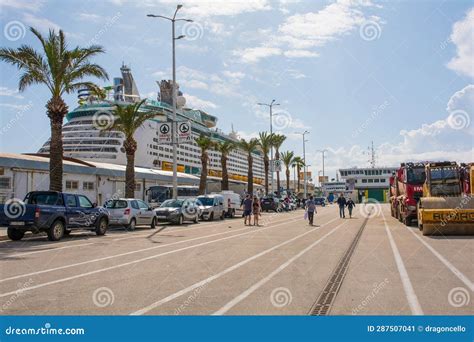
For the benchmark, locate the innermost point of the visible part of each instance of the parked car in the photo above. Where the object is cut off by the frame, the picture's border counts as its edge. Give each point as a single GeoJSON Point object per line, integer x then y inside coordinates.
{"type": "Point", "coordinates": [130, 212]}
{"type": "Point", "coordinates": [232, 203]}
{"type": "Point", "coordinates": [320, 201]}
{"type": "Point", "coordinates": [177, 211]}
{"type": "Point", "coordinates": [55, 213]}
{"type": "Point", "coordinates": [211, 206]}
{"type": "Point", "coordinates": [270, 203]}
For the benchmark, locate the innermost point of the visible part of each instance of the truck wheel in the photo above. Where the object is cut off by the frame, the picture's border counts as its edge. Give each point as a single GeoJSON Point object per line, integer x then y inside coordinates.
{"type": "Point", "coordinates": [56, 231]}
{"type": "Point", "coordinates": [132, 224]}
{"type": "Point", "coordinates": [15, 234]}
{"type": "Point", "coordinates": [102, 226]}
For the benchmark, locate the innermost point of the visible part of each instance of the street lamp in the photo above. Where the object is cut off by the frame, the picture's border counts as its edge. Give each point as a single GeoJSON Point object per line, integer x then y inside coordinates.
{"type": "Point", "coordinates": [270, 105]}
{"type": "Point", "coordinates": [173, 89]}
{"type": "Point", "coordinates": [304, 160]}
{"type": "Point", "coordinates": [322, 152]}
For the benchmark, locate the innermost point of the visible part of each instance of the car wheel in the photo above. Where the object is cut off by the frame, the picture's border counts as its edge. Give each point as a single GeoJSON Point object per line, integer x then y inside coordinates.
{"type": "Point", "coordinates": [222, 216]}
{"type": "Point", "coordinates": [132, 224]}
{"type": "Point", "coordinates": [153, 223]}
{"type": "Point", "coordinates": [56, 231]}
{"type": "Point", "coordinates": [180, 220]}
{"type": "Point", "coordinates": [232, 213]}
{"type": "Point", "coordinates": [195, 219]}
{"type": "Point", "coordinates": [102, 226]}
{"type": "Point", "coordinates": [211, 217]}
{"type": "Point", "coordinates": [15, 234]}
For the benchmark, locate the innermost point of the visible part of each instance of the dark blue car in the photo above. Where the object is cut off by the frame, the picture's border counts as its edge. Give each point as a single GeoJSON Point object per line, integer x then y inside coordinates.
{"type": "Point", "coordinates": [55, 213]}
{"type": "Point", "coordinates": [320, 201]}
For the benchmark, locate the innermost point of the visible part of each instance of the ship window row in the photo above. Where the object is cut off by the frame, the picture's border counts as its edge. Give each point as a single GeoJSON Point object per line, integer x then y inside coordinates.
{"type": "Point", "coordinates": [371, 172]}
{"type": "Point", "coordinates": [376, 180]}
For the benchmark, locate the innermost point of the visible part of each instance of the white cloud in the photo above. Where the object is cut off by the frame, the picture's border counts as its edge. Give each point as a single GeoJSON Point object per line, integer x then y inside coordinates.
{"type": "Point", "coordinates": [195, 102]}
{"type": "Point", "coordinates": [90, 17]}
{"type": "Point", "coordinates": [4, 91]}
{"type": "Point", "coordinates": [201, 8]}
{"type": "Point", "coordinates": [15, 106]}
{"type": "Point", "coordinates": [29, 5]}
{"type": "Point", "coordinates": [462, 100]}
{"type": "Point", "coordinates": [253, 55]}
{"type": "Point", "coordinates": [233, 74]}
{"type": "Point", "coordinates": [194, 84]}
{"type": "Point", "coordinates": [300, 54]}
{"type": "Point", "coordinates": [462, 37]}
{"type": "Point", "coordinates": [41, 24]}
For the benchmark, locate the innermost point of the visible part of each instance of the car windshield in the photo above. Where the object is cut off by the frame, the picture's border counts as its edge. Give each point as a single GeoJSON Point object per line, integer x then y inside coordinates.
{"type": "Point", "coordinates": [205, 201]}
{"type": "Point", "coordinates": [42, 198]}
{"type": "Point", "coordinates": [444, 174]}
{"type": "Point", "coordinates": [172, 204]}
{"type": "Point", "coordinates": [416, 176]}
{"type": "Point", "coordinates": [116, 204]}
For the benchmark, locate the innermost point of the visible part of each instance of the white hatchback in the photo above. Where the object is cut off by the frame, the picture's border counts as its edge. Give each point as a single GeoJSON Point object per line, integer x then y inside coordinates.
{"type": "Point", "coordinates": [130, 212]}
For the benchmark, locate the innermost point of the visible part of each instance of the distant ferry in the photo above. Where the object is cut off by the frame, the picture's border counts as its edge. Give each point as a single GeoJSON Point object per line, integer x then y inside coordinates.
{"type": "Point", "coordinates": [84, 139]}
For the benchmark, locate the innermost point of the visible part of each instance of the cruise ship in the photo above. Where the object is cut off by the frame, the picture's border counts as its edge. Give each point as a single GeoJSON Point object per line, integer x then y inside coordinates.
{"type": "Point", "coordinates": [84, 138]}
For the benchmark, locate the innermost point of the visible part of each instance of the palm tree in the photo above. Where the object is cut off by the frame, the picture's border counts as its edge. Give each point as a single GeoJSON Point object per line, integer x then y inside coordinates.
{"type": "Point", "coordinates": [205, 143]}
{"type": "Point", "coordinates": [278, 140]}
{"type": "Point", "coordinates": [225, 148]}
{"type": "Point", "coordinates": [249, 147]}
{"type": "Point", "coordinates": [299, 163]}
{"type": "Point", "coordinates": [265, 141]}
{"type": "Point", "coordinates": [62, 70]}
{"type": "Point", "coordinates": [287, 158]}
{"type": "Point", "coordinates": [127, 119]}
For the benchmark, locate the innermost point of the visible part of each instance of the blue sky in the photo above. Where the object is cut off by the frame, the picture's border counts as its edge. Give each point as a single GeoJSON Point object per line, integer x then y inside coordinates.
{"type": "Point", "coordinates": [352, 71]}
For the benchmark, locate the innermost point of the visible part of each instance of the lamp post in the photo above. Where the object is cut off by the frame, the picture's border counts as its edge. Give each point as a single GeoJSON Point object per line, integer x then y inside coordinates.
{"type": "Point", "coordinates": [270, 105]}
{"type": "Point", "coordinates": [174, 97]}
{"type": "Point", "coordinates": [304, 160]}
{"type": "Point", "coordinates": [322, 152]}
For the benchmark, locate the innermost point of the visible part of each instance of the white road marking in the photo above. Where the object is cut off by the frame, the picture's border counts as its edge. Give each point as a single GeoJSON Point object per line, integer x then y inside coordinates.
{"type": "Point", "coordinates": [46, 250]}
{"type": "Point", "coordinates": [220, 274]}
{"type": "Point", "coordinates": [263, 281]}
{"type": "Point", "coordinates": [25, 289]}
{"type": "Point", "coordinates": [410, 294]}
{"type": "Point", "coordinates": [450, 266]}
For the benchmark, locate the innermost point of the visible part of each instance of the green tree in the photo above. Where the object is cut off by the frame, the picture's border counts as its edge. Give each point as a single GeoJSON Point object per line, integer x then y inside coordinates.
{"type": "Point", "coordinates": [287, 158]}
{"type": "Point", "coordinates": [205, 143]}
{"type": "Point", "coordinates": [127, 119]}
{"type": "Point", "coordinates": [265, 141]}
{"type": "Point", "coordinates": [278, 140]}
{"type": "Point", "coordinates": [225, 148]}
{"type": "Point", "coordinates": [249, 147]}
{"type": "Point", "coordinates": [62, 71]}
{"type": "Point", "coordinates": [299, 163]}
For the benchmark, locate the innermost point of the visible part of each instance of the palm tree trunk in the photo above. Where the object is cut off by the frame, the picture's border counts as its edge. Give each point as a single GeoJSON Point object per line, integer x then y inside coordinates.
{"type": "Point", "coordinates": [203, 179]}
{"type": "Point", "coordinates": [266, 165]}
{"type": "Point", "coordinates": [56, 109]}
{"type": "Point", "coordinates": [130, 175]}
{"type": "Point", "coordinates": [298, 175]}
{"type": "Point", "coordinates": [250, 175]}
{"type": "Point", "coordinates": [225, 174]}
{"type": "Point", "coordinates": [287, 179]}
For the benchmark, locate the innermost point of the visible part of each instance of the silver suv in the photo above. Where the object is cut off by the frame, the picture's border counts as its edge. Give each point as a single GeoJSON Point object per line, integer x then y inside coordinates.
{"type": "Point", "coordinates": [130, 212]}
{"type": "Point", "coordinates": [211, 206]}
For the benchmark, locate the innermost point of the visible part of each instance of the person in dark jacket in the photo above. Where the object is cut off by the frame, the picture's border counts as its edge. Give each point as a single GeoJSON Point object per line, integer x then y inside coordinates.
{"type": "Point", "coordinates": [341, 201]}
{"type": "Point", "coordinates": [350, 204]}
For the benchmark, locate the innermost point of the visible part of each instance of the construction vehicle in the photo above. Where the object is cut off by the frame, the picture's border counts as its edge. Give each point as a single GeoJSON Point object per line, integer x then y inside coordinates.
{"type": "Point", "coordinates": [467, 178]}
{"type": "Point", "coordinates": [406, 188]}
{"type": "Point", "coordinates": [444, 208]}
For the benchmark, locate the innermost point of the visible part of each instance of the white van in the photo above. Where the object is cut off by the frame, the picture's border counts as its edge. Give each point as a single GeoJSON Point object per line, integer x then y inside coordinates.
{"type": "Point", "coordinates": [232, 203]}
{"type": "Point", "coordinates": [211, 206]}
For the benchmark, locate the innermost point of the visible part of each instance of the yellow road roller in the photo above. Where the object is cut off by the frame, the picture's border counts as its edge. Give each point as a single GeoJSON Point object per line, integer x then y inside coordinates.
{"type": "Point", "coordinates": [444, 208]}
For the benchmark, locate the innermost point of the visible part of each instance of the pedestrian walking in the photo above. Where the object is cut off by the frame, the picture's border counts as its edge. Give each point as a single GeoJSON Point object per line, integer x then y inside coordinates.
{"type": "Point", "coordinates": [341, 201]}
{"type": "Point", "coordinates": [350, 204]}
{"type": "Point", "coordinates": [310, 209]}
{"type": "Point", "coordinates": [247, 206]}
{"type": "Point", "coordinates": [256, 210]}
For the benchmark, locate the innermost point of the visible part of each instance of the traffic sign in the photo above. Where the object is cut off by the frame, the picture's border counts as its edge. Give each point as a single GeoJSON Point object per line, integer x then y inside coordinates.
{"type": "Point", "coordinates": [183, 129]}
{"type": "Point", "coordinates": [164, 133]}
{"type": "Point", "coordinates": [277, 165]}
